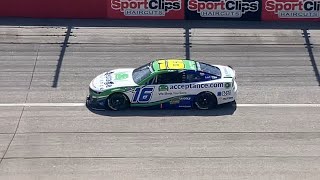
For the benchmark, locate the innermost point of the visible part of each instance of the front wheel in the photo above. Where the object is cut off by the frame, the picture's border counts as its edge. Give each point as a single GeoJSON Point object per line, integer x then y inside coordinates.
{"type": "Point", "coordinates": [117, 101]}
{"type": "Point", "coordinates": [205, 100]}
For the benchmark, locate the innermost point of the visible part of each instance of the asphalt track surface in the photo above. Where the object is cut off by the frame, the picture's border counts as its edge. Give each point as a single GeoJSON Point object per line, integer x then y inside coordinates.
{"type": "Point", "coordinates": [53, 61]}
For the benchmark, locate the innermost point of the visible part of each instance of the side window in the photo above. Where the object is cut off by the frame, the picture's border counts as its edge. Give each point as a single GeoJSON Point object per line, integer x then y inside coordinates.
{"type": "Point", "coordinates": [169, 78]}
{"type": "Point", "coordinates": [151, 81]}
{"type": "Point", "coordinates": [196, 76]}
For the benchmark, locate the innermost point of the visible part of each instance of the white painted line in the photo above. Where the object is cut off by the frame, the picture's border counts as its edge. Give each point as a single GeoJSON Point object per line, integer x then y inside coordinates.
{"type": "Point", "coordinates": [83, 104]}
{"type": "Point", "coordinates": [43, 105]}
{"type": "Point", "coordinates": [278, 105]}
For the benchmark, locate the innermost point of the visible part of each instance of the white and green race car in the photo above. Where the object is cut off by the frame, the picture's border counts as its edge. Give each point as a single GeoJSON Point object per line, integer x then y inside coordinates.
{"type": "Point", "coordinates": [165, 83]}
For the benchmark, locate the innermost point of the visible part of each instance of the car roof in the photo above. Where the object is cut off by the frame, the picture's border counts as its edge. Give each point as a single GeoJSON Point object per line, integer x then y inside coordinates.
{"type": "Point", "coordinates": [173, 64]}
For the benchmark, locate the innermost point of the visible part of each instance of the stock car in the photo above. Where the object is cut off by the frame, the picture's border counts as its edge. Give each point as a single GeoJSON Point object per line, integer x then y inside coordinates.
{"type": "Point", "coordinates": [164, 83]}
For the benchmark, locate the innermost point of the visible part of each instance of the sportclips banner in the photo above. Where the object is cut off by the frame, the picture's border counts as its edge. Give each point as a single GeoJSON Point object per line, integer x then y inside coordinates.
{"type": "Point", "coordinates": [145, 9]}
{"type": "Point", "coordinates": [296, 10]}
{"type": "Point", "coordinates": [224, 9]}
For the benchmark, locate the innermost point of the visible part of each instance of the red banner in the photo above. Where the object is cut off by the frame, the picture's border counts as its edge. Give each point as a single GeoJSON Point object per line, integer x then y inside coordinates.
{"type": "Point", "coordinates": [291, 10]}
{"type": "Point", "coordinates": [145, 9]}
{"type": "Point", "coordinates": [54, 8]}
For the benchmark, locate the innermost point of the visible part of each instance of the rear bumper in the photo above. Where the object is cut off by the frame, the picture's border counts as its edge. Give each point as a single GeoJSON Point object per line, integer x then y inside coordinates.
{"type": "Point", "coordinates": [227, 99]}
{"type": "Point", "coordinates": [95, 104]}
{"type": "Point", "coordinates": [235, 90]}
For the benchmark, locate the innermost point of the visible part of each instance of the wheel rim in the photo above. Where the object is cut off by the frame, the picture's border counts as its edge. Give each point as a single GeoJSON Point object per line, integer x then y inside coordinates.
{"type": "Point", "coordinates": [205, 101]}
{"type": "Point", "coordinates": [117, 102]}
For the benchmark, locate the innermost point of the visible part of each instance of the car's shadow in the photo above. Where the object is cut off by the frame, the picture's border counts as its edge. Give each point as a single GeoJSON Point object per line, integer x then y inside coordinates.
{"type": "Point", "coordinates": [221, 110]}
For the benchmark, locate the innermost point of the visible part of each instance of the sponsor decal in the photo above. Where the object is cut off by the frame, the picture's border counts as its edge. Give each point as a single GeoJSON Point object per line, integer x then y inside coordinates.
{"type": "Point", "coordinates": [224, 93]}
{"type": "Point", "coordinates": [185, 102]}
{"type": "Point", "coordinates": [121, 76]}
{"type": "Point", "coordinates": [171, 64]}
{"type": "Point", "coordinates": [299, 9]}
{"type": "Point", "coordinates": [186, 98]}
{"type": "Point", "coordinates": [163, 88]}
{"type": "Point", "coordinates": [185, 106]}
{"type": "Point", "coordinates": [223, 8]}
{"type": "Point", "coordinates": [208, 77]}
{"type": "Point", "coordinates": [108, 83]}
{"type": "Point", "coordinates": [171, 93]}
{"type": "Point", "coordinates": [227, 98]}
{"type": "Point", "coordinates": [174, 101]}
{"type": "Point", "coordinates": [145, 8]}
{"type": "Point", "coordinates": [108, 76]}
{"type": "Point", "coordinates": [174, 64]}
{"type": "Point", "coordinates": [196, 86]}
{"type": "Point", "coordinates": [227, 85]}
{"type": "Point", "coordinates": [291, 9]}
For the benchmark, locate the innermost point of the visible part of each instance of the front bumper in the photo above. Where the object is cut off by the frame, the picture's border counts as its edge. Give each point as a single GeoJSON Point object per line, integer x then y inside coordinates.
{"type": "Point", "coordinates": [95, 104]}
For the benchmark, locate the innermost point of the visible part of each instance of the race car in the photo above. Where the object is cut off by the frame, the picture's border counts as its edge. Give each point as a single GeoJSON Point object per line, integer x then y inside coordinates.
{"type": "Point", "coordinates": [164, 83]}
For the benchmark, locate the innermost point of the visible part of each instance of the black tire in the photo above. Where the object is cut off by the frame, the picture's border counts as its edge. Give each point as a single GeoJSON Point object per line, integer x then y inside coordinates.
{"type": "Point", "coordinates": [205, 100]}
{"type": "Point", "coordinates": [117, 101]}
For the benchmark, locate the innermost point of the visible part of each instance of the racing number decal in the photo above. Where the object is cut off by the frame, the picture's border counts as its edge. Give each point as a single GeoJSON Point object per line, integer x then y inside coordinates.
{"type": "Point", "coordinates": [143, 95]}
{"type": "Point", "coordinates": [171, 64]}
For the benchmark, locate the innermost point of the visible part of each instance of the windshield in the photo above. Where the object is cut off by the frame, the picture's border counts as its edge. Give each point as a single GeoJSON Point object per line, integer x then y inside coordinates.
{"type": "Point", "coordinates": [210, 69]}
{"type": "Point", "coordinates": [141, 73]}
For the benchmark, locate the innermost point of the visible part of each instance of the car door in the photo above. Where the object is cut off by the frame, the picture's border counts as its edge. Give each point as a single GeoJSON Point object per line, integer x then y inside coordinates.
{"type": "Point", "coordinates": [178, 88]}
{"type": "Point", "coordinates": [159, 89]}
{"type": "Point", "coordinates": [200, 81]}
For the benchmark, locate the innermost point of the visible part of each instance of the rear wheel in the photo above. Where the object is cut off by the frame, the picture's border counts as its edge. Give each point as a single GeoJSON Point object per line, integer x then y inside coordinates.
{"type": "Point", "coordinates": [118, 101]}
{"type": "Point", "coordinates": [205, 100]}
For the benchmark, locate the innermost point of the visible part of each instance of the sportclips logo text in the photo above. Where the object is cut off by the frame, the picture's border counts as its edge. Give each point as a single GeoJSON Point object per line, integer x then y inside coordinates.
{"type": "Point", "coordinates": [223, 8]}
{"type": "Point", "coordinates": [298, 9]}
{"type": "Point", "coordinates": [146, 7]}
{"type": "Point", "coordinates": [196, 86]}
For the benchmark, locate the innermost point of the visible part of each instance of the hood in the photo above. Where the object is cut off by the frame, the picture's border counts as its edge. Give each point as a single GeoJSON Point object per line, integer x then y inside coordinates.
{"type": "Point", "coordinates": [226, 71]}
{"type": "Point", "coordinates": [113, 79]}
